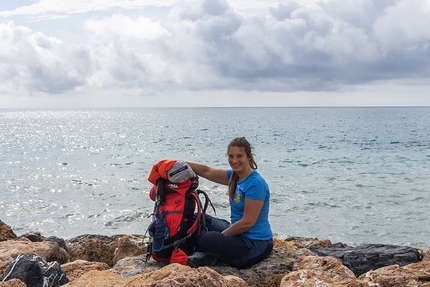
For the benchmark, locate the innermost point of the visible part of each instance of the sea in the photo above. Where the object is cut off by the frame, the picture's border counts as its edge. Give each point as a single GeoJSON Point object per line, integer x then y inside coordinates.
{"type": "Point", "coordinates": [354, 175]}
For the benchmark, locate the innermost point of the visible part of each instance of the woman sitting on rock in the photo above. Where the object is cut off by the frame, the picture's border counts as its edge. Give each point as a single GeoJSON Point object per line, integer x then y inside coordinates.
{"type": "Point", "coordinates": [247, 240]}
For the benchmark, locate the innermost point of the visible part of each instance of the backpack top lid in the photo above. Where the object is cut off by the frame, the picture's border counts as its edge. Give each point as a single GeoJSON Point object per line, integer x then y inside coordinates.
{"type": "Point", "coordinates": [172, 170]}
{"type": "Point", "coordinates": [180, 172]}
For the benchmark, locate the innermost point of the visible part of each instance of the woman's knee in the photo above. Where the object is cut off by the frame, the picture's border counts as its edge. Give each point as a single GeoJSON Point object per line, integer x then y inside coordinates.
{"type": "Point", "coordinates": [211, 241]}
{"type": "Point", "coordinates": [226, 247]}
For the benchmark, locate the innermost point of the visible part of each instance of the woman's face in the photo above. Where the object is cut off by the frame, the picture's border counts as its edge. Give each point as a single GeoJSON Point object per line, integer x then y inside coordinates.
{"type": "Point", "coordinates": [238, 159]}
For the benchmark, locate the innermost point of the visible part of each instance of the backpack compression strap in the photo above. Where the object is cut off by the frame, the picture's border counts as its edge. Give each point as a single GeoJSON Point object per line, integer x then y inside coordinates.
{"type": "Point", "coordinates": [199, 213]}
{"type": "Point", "coordinates": [207, 201]}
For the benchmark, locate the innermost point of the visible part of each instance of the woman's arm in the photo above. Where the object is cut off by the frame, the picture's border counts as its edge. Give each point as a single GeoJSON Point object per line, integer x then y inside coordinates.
{"type": "Point", "coordinates": [250, 215]}
{"type": "Point", "coordinates": [213, 174]}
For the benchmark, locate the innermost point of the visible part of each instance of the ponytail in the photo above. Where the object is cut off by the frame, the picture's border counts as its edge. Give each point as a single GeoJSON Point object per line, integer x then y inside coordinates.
{"type": "Point", "coordinates": [232, 182]}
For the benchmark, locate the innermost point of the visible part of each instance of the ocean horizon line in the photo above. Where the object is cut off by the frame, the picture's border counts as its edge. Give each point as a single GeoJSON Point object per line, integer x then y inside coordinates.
{"type": "Point", "coordinates": [205, 107]}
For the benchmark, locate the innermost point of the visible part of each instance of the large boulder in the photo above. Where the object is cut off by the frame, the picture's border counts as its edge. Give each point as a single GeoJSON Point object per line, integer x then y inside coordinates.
{"type": "Point", "coordinates": [269, 272]}
{"type": "Point", "coordinates": [372, 256]}
{"type": "Point", "coordinates": [77, 268]}
{"type": "Point", "coordinates": [36, 272]}
{"type": "Point", "coordinates": [132, 266]}
{"type": "Point", "coordinates": [6, 232]}
{"type": "Point", "coordinates": [60, 241]}
{"type": "Point", "coordinates": [48, 250]}
{"type": "Point", "coordinates": [309, 278]}
{"type": "Point", "coordinates": [93, 250]}
{"type": "Point", "coordinates": [320, 271]}
{"type": "Point", "coordinates": [415, 274]}
{"type": "Point", "coordinates": [421, 270]}
{"type": "Point", "coordinates": [95, 278]}
{"type": "Point", "coordinates": [328, 266]}
{"type": "Point", "coordinates": [391, 276]}
{"type": "Point", "coordinates": [128, 246]}
{"type": "Point", "coordinates": [180, 275]}
{"type": "Point", "coordinates": [107, 249]}
{"type": "Point", "coordinates": [32, 236]}
{"type": "Point", "coordinates": [170, 275]}
{"type": "Point", "coordinates": [313, 243]}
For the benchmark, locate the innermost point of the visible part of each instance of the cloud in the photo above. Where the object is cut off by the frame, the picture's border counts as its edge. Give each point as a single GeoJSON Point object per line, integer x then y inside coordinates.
{"type": "Point", "coordinates": [53, 8]}
{"type": "Point", "coordinates": [336, 45]}
{"type": "Point", "coordinates": [33, 62]}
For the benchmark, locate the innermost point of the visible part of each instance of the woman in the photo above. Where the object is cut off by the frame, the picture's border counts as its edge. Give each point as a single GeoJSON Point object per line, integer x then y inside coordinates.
{"type": "Point", "coordinates": [247, 240]}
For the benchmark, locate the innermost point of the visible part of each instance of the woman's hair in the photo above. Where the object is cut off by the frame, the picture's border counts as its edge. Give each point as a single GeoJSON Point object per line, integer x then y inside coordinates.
{"type": "Point", "coordinates": [240, 142]}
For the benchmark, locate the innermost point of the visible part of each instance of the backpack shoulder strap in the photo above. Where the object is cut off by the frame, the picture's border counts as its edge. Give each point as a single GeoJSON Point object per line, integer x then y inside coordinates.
{"type": "Point", "coordinates": [160, 197]}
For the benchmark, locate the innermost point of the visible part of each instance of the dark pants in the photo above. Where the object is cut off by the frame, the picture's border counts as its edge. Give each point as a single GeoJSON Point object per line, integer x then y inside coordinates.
{"type": "Point", "coordinates": [236, 250]}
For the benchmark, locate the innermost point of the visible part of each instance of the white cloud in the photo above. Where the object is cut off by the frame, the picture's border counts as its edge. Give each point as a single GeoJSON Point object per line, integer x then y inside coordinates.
{"type": "Point", "coordinates": [53, 8]}
{"type": "Point", "coordinates": [210, 45]}
{"type": "Point", "coordinates": [37, 63]}
{"type": "Point", "coordinates": [404, 26]}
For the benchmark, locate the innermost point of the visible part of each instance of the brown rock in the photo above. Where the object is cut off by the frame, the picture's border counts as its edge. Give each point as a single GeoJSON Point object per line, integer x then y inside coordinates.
{"type": "Point", "coordinates": [234, 281]}
{"type": "Point", "coordinates": [420, 269]}
{"type": "Point", "coordinates": [4, 263]}
{"type": "Point", "coordinates": [351, 282]}
{"type": "Point", "coordinates": [78, 240]}
{"type": "Point", "coordinates": [170, 275]}
{"type": "Point", "coordinates": [6, 232]}
{"type": "Point", "coordinates": [32, 236]}
{"type": "Point", "coordinates": [305, 278]}
{"type": "Point", "coordinates": [282, 243]}
{"type": "Point", "coordinates": [391, 276]}
{"type": "Point", "coordinates": [128, 247]}
{"type": "Point", "coordinates": [313, 243]}
{"type": "Point", "coordinates": [48, 250]}
{"type": "Point", "coordinates": [320, 271]}
{"type": "Point", "coordinates": [185, 276]}
{"type": "Point", "coordinates": [95, 278]}
{"type": "Point", "coordinates": [77, 268]}
{"type": "Point", "coordinates": [13, 283]}
{"type": "Point", "coordinates": [415, 274]}
{"type": "Point", "coordinates": [92, 250]}
{"type": "Point", "coordinates": [426, 255]}
{"type": "Point", "coordinates": [131, 266]}
{"type": "Point", "coordinates": [308, 278]}
{"type": "Point", "coordinates": [327, 266]}
{"type": "Point", "coordinates": [107, 249]}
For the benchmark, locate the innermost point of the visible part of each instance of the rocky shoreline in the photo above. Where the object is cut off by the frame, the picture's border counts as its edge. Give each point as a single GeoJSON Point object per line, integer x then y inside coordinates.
{"type": "Point", "coordinates": [98, 260]}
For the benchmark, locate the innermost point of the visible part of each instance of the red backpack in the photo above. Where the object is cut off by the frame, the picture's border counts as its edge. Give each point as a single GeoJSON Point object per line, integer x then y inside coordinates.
{"type": "Point", "coordinates": [178, 212]}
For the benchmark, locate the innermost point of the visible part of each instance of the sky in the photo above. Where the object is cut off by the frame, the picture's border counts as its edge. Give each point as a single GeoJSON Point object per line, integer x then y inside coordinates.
{"type": "Point", "coordinates": [223, 53]}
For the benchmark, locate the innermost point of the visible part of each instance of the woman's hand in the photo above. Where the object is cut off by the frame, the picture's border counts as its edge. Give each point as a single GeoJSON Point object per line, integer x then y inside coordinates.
{"type": "Point", "coordinates": [213, 174]}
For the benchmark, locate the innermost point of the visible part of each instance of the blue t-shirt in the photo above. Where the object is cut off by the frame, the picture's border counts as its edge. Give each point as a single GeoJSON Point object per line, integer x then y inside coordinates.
{"type": "Point", "coordinates": [252, 187]}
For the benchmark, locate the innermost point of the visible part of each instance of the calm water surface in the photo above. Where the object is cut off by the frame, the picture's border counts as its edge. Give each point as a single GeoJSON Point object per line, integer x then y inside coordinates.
{"type": "Point", "coordinates": [351, 175]}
